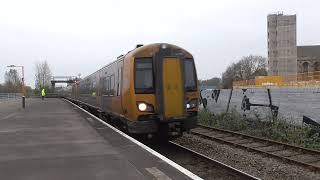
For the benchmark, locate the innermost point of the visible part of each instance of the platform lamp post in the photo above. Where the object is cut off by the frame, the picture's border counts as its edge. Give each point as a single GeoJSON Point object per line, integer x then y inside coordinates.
{"type": "Point", "coordinates": [23, 88]}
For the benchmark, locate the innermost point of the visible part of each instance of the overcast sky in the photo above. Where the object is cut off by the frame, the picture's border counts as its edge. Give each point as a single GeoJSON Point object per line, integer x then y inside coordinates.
{"type": "Point", "coordinates": [81, 36]}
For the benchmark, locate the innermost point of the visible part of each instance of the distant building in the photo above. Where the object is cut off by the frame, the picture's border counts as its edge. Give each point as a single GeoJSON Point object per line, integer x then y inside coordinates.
{"type": "Point", "coordinates": [308, 59]}
{"type": "Point", "coordinates": [282, 50]}
{"type": "Point", "coordinates": [284, 56]}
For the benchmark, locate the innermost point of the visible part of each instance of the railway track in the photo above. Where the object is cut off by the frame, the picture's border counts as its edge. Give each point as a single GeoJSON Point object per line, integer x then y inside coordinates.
{"type": "Point", "coordinates": [197, 163]}
{"type": "Point", "coordinates": [289, 153]}
{"type": "Point", "coordinates": [203, 166]}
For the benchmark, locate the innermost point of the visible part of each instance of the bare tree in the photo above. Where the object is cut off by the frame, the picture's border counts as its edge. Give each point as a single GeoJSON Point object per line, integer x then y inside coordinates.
{"type": "Point", "coordinates": [246, 68]}
{"type": "Point", "coordinates": [251, 66]}
{"type": "Point", "coordinates": [2, 90]}
{"type": "Point", "coordinates": [43, 75]}
{"type": "Point", "coordinates": [13, 83]}
{"type": "Point", "coordinates": [229, 76]}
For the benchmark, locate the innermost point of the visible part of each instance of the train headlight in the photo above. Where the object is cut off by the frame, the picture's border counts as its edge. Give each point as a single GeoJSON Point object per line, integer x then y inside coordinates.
{"type": "Point", "coordinates": [163, 46]}
{"type": "Point", "coordinates": [191, 104]}
{"type": "Point", "coordinates": [142, 106]}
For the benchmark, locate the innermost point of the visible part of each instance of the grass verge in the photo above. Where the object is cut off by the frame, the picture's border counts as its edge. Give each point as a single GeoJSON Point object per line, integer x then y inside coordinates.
{"type": "Point", "coordinates": [275, 129]}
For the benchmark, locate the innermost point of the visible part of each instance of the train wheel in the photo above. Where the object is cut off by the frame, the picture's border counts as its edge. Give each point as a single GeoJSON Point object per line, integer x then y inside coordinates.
{"type": "Point", "coordinates": [101, 116]}
{"type": "Point", "coordinates": [108, 119]}
{"type": "Point", "coordinates": [162, 135]}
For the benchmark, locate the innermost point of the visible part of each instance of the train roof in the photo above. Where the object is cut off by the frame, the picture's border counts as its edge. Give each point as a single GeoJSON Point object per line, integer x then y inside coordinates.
{"type": "Point", "coordinates": [144, 51]}
{"type": "Point", "coordinates": [150, 49]}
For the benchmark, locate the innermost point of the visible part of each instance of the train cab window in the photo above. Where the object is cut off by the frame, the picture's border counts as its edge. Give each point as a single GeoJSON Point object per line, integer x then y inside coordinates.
{"type": "Point", "coordinates": [143, 76]}
{"type": "Point", "coordinates": [190, 83]}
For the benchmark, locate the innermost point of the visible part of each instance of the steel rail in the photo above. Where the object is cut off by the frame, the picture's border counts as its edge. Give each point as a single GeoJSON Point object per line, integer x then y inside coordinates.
{"type": "Point", "coordinates": [246, 141]}
{"type": "Point", "coordinates": [237, 172]}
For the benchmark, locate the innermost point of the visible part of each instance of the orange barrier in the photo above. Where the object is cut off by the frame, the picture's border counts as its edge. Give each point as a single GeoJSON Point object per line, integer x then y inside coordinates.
{"type": "Point", "coordinates": [307, 79]}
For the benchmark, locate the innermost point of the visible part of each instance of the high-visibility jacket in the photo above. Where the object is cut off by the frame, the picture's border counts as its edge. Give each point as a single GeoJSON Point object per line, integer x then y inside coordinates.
{"type": "Point", "coordinates": [43, 92]}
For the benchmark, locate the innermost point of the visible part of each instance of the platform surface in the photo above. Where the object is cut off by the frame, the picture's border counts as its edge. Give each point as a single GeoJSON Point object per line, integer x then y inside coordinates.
{"type": "Point", "coordinates": [52, 139]}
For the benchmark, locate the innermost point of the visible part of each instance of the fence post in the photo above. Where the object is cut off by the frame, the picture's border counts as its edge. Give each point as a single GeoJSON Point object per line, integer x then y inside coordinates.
{"type": "Point", "coordinates": [23, 102]}
{"type": "Point", "coordinates": [230, 95]}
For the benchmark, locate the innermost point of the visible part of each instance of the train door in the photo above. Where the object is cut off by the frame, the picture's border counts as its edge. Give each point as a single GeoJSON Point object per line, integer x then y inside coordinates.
{"type": "Point", "coordinates": [101, 91]}
{"type": "Point", "coordinates": [173, 92]}
{"type": "Point", "coordinates": [117, 101]}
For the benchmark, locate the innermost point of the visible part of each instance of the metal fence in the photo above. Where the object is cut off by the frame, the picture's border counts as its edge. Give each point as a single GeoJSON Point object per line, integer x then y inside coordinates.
{"type": "Point", "coordinates": [9, 96]}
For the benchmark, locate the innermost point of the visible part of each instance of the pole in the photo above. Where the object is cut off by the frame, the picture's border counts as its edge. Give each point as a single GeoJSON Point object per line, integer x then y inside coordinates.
{"type": "Point", "coordinates": [23, 88]}
{"type": "Point", "coordinates": [230, 95]}
{"type": "Point", "coordinates": [23, 102]}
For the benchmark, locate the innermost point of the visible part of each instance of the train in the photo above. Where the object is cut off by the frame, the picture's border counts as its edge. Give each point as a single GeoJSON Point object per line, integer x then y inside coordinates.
{"type": "Point", "coordinates": [151, 90]}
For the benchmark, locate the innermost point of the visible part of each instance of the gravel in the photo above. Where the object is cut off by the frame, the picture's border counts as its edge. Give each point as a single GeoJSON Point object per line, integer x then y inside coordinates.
{"type": "Point", "coordinates": [204, 168]}
{"type": "Point", "coordinates": [250, 162]}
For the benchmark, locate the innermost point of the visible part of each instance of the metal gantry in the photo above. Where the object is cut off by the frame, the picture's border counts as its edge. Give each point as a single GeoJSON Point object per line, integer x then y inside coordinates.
{"type": "Point", "coordinates": [63, 79]}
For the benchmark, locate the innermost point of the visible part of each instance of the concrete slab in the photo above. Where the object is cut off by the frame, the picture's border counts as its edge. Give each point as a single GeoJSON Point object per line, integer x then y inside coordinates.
{"type": "Point", "coordinates": [52, 139]}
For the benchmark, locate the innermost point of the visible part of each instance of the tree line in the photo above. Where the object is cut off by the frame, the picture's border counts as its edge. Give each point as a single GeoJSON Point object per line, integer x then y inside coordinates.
{"type": "Point", "coordinates": [248, 67]}
{"type": "Point", "coordinates": [13, 81]}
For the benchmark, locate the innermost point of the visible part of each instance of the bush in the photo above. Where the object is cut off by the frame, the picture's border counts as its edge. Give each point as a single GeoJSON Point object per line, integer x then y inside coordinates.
{"type": "Point", "coordinates": [231, 121]}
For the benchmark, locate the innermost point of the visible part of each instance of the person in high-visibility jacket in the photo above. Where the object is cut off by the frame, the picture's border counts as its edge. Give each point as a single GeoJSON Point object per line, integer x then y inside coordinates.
{"type": "Point", "coordinates": [43, 93]}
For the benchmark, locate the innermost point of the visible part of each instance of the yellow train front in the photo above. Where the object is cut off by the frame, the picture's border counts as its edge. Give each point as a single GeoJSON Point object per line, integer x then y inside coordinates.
{"type": "Point", "coordinates": [151, 90]}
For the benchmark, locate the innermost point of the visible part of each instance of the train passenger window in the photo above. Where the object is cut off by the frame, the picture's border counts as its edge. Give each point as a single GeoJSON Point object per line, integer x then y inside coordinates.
{"type": "Point", "coordinates": [102, 85]}
{"type": "Point", "coordinates": [144, 76]}
{"type": "Point", "coordinates": [118, 82]}
{"type": "Point", "coordinates": [108, 85]}
{"type": "Point", "coordinates": [190, 82]}
{"type": "Point", "coordinates": [112, 85]}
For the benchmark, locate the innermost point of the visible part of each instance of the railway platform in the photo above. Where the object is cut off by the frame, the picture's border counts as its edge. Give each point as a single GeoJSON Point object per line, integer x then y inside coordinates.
{"type": "Point", "coordinates": [53, 139]}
